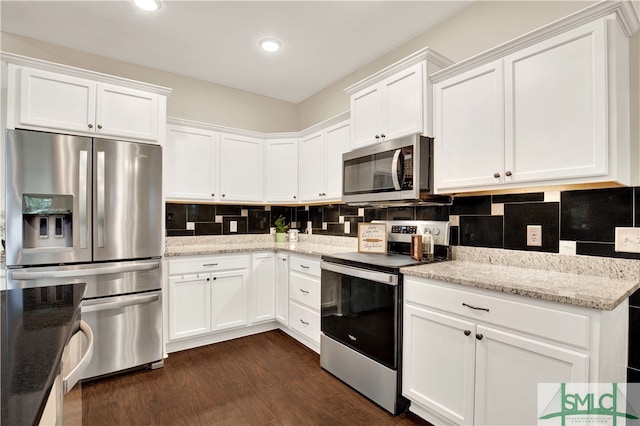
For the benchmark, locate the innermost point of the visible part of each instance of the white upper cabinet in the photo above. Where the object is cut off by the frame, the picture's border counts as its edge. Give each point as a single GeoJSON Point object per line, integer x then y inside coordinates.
{"type": "Point", "coordinates": [121, 111]}
{"type": "Point", "coordinates": [282, 170]}
{"type": "Point", "coordinates": [395, 101]}
{"type": "Point", "coordinates": [241, 168]}
{"type": "Point", "coordinates": [85, 103]}
{"type": "Point", "coordinates": [549, 108]}
{"type": "Point", "coordinates": [190, 164]}
{"type": "Point", "coordinates": [320, 163]}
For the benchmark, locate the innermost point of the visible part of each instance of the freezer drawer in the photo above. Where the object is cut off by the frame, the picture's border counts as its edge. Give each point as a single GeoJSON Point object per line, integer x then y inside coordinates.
{"type": "Point", "coordinates": [127, 331]}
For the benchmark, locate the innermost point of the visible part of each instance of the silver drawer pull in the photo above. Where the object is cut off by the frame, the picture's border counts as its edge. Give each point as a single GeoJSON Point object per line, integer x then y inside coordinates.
{"type": "Point", "coordinates": [304, 291]}
{"type": "Point", "coordinates": [304, 322]}
{"type": "Point", "coordinates": [209, 264]}
{"type": "Point", "coordinates": [475, 307]}
{"type": "Point", "coordinates": [304, 266]}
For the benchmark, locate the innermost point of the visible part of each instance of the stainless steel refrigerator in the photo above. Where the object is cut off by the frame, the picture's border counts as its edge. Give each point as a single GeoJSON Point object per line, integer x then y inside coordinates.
{"type": "Point", "coordinates": [88, 210]}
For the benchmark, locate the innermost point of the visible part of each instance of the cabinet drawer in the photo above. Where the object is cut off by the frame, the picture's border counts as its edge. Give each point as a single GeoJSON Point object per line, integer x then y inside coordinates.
{"type": "Point", "coordinates": [305, 321]}
{"type": "Point", "coordinates": [525, 315]}
{"type": "Point", "coordinates": [207, 264]}
{"type": "Point", "coordinates": [305, 265]}
{"type": "Point", "coordinates": [305, 289]}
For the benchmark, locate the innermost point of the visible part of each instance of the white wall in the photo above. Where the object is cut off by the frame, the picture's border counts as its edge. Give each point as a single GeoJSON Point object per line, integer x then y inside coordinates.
{"type": "Point", "coordinates": [191, 99]}
{"type": "Point", "coordinates": [481, 26]}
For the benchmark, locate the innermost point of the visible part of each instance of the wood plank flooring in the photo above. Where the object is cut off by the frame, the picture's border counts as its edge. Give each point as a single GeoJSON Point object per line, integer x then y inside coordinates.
{"type": "Point", "coordinates": [264, 379]}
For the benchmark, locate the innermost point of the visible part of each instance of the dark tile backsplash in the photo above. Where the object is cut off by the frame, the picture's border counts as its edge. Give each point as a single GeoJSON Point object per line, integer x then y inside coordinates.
{"type": "Point", "coordinates": [516, 218]}
{"type": "Point", "coordinates": [587, 217]}
{"type": "Point", "coordinates": [593, 215]}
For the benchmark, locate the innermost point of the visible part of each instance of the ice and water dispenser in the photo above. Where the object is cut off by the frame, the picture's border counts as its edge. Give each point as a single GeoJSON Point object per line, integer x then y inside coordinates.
{"type": "Point", "coordinates": [47, 221]}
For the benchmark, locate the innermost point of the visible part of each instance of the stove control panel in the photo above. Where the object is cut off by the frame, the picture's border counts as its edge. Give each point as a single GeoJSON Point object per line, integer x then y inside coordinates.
{"type": "Point", "coordinates": [402, 230]}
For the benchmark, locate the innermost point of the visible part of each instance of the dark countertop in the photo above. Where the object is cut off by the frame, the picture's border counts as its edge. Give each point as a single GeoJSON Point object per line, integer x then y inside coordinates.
{"type": "Point", "coordinates": [36, 324]}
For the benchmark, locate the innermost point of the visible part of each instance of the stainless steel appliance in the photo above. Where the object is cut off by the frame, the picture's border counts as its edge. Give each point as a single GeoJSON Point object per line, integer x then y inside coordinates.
{"type": "Point", "coordinates": [83, 210]}
{"type": "Point", "coordinates": [399, 170]}
{"type": "Point", "coordinates": [361, 312]}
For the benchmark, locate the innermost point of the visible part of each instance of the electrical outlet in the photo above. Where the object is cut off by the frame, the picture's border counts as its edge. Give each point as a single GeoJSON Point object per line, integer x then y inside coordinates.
{"type": "Point", "coordinates": [233, 226]}
{"type": "Point", "coordinates": [347, 227]}
{"type": "Point", "coordinates": [534, 235]}
{"type": "Point", "coordinates": [628, 240]}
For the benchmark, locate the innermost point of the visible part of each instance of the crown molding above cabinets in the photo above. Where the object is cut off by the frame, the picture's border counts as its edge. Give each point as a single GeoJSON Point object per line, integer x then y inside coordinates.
{"type": "Point", "coordinates": [52, 97]}
{"type": "Point", "coordinates": [395, 101]}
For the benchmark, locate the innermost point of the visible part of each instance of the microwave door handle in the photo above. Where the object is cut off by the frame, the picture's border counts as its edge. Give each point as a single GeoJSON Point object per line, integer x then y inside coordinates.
{"type": "Point", "coordinates": [394, 169]}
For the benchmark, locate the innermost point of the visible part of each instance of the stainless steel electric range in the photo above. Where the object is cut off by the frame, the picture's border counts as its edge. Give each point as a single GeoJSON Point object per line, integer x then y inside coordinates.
{"type": "Point", "coordinates": [361, 324]}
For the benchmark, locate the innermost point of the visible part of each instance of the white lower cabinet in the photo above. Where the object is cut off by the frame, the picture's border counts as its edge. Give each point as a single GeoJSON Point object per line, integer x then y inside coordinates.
{"type": "Point", "coordinates": [213, 298]}
{"type": "Point", "coordinates": [282, 288]}
{"type": "Point", "coordinates": [476, 356]}
{"type": "Point", "coordinates": [304, 300]}
{"type": "Point", "coordinates": [263, 287]}
{"type": "Point", "coordinates": [208, 295]}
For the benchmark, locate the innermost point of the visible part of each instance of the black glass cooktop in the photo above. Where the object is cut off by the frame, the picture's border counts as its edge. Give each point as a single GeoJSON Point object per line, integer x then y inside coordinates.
{"type": "Point", "coordinates": [379, 262]}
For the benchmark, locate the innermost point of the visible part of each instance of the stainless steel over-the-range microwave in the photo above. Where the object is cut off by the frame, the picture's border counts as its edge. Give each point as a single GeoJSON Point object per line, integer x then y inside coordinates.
{"type": "Point", "coordinates": [398, 170]}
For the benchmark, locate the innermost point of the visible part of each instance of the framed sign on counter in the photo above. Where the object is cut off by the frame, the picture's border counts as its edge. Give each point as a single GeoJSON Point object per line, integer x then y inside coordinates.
{"type": "Point", "coordinates": [372, 237]}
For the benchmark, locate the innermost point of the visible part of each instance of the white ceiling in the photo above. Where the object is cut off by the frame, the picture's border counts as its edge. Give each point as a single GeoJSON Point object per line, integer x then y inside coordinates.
{"type": "Point", "coordinates": [217, 41]}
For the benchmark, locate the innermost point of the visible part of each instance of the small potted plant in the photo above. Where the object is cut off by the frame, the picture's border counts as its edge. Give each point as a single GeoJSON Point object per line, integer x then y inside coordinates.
{"type": "Point", "coordinates": [281, 229]}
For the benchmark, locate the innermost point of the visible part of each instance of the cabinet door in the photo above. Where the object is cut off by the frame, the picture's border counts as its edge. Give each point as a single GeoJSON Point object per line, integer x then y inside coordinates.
{"type": "Point", "coordinates": [312, 167]}
{"type": "Point", "coordinates": [556, 107]}
{"type": "Point", "coordinates": [366, 116]}
{"type": "Point", "coordinates": [469, 129]}
{"type": "Point", "coordinates": [282, 288]}
{"type": "Point", "coordinates": [189, 306]}
{"type": "Point", "coordinates": [55, 101]}
{"type": "Point", "coordinates": [438, 363]}
{"type": "Point", "coordinates": [282, 170]}
{"type": "Point", "coordinates": [126, 112]}
{"type": "Point", "coordinates": [241, 168]}
{"type": "Point", "coordinates": [263, 291]}
{"type": "Point", "coordinates": [229, 299]}
{"type": "Point", "coordinates": [190, 163]}
{"type": "Point", "coordinates": [403, 103]}
{"type": "Point", "coordinates": [508, 370]}
{"type": "Point", "coordinates": [337, 143]}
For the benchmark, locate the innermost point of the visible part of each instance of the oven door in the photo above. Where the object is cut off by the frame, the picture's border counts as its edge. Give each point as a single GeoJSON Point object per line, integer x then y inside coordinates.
{"type": "Point", "coordinates": [360, 309]}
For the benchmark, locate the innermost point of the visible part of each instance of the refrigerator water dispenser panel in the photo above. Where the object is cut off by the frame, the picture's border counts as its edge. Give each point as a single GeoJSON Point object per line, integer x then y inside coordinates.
{"type": "Point", "coordinates": [47, 221]}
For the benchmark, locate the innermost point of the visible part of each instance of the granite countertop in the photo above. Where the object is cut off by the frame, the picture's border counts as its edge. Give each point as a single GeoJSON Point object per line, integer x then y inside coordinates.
{"type": "Point", "coordinates": [590, 282]}
{"type": "Point", "coordinates": [308, 245]}
{"type": "Point", "coordinates": [37, 323]}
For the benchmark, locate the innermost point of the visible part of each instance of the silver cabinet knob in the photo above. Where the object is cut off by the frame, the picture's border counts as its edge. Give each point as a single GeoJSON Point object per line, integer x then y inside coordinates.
{"type": "Point", "coordinates": [508, 173]}
{"type": "Point", "coordinates": [90, 125]}
{"type": "Point", "coordinates": [496, 175]}
{"type": "Point", "coordinates": [435, 231]}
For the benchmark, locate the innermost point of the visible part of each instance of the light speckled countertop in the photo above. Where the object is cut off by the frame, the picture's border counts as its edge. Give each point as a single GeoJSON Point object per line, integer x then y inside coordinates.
{"type": "Point", "coordinates": [308, 245]}
{"type": "Point", "coordinates": [588, 281]}
{"type": "Point", "coordinates": [591, 282]}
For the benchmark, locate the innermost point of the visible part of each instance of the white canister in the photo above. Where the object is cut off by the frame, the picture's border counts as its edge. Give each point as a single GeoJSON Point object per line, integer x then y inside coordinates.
{"type": "Point", "coordinates": [293, 235]}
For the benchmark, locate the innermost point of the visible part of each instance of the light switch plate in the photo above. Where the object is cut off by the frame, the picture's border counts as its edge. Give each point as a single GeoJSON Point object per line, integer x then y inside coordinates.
{"type": "Point", "coordinates": [191, 226]}
{"type": "Point", "coordinates": [233, 226]}
{"type": "Point", "coordinates": [628, 240]}
{"type": "Point", "coordinates": [347, 227]}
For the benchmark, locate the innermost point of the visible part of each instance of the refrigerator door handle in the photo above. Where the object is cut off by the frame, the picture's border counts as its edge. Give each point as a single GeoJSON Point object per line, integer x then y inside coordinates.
{"type": "Point", "coordinates": [70, 380]}
{"type": "Point", "coordinates": [68, 273]}
{"type": "Point", "coordinates": [82, 199]}
{"type": "Point", "coordinates": [100, 196]}
{"type": "Point", "coordinates": [99, 305]}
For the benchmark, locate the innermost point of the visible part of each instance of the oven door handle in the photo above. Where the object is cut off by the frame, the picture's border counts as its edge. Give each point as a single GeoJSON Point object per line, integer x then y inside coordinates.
{"type": "Point", "coordinates": [381, 277]}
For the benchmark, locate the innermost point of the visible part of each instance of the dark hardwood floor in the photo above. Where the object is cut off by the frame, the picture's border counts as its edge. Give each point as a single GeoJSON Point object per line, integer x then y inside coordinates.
{"type": "Point", "coordinates": [264, 379]}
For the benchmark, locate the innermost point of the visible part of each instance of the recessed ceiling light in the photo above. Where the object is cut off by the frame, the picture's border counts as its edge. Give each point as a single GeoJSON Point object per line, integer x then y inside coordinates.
{"type": "Point", "coordinates": [148, 5]}
{"type": "Point", "coordinates": [270, 44]}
